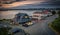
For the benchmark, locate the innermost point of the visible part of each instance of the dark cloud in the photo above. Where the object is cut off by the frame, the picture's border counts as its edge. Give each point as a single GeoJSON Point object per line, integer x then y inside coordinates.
{"type": "Point", "coordinates": [45, 4]}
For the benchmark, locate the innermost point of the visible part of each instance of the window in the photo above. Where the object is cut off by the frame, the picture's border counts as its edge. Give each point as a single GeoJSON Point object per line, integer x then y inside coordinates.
{"type": "Point", "coordinates": [18, 17]}
{"type": "Point", "coordinates": [35, 16]}
{"type": "Point", "coordinates": [26, 16]}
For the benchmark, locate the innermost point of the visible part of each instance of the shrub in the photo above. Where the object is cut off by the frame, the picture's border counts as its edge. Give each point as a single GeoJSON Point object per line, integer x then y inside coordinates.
{"type": "Point", "coordinates": [59, 13]}
{"type": "Point", "coordinates": [4, 31]}
{"type": "Point", "coordinates": [56, 24]}
{"type": "Point", "coordinates": [53, 12]}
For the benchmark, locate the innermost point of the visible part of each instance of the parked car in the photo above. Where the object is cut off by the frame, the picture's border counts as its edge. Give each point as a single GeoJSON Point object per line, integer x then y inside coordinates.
{"type": "Point", "coordinates": [23, 18]}
{"type": "Point", "coordinates": [17, 31]}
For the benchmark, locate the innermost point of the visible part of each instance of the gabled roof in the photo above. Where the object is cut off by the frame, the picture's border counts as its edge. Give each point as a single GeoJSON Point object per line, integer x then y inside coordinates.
{"type": "Point", "coordinates": [46, 12]}
{"type": "Point", "coordinates": [43, 12]}
{"type": "Point", "coordinates": [20, 14]}
{"type": "Point", "coordinates": [37, 12]}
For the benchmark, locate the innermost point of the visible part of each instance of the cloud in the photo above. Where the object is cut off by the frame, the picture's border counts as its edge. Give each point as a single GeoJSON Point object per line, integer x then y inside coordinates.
{"type": "Point", "coordinates": [20, 4]}
{"type": "Point", "coordinates": [28, 2]}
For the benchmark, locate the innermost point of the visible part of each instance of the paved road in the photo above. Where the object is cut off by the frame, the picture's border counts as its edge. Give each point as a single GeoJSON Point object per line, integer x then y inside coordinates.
{"type": "Point", "coordinates": [41, 28]}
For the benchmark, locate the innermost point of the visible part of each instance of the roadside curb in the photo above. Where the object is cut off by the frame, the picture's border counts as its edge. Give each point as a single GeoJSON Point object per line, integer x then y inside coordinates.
{"type": "Point", "coordinates": [53, 29]}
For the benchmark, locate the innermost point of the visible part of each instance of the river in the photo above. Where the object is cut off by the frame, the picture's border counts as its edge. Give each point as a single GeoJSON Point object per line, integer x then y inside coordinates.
{"type": "Point", "coordinates": [11, 13]}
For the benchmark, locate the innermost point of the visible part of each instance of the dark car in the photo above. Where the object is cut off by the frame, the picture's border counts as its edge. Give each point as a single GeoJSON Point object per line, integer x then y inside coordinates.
{"type": "Point", "coordinates": [24, 19]}
{"type": "Point", "coordinates": [17, 31]}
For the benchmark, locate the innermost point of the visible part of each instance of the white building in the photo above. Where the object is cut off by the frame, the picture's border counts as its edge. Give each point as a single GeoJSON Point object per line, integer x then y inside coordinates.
{"type": "Point", "coordinates": [37, 15]}
{"type": "Point", "coordinates": [40, 15]}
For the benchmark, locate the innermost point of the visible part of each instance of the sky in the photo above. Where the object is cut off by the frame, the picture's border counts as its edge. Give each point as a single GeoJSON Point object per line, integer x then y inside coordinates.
{"type": "Point", "coordinates": [22, 3]}
{"type": "Point", "coordinates": [27, 3]}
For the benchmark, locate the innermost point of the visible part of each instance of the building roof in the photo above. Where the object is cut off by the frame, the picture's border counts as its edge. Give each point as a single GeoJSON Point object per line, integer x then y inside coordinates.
{"type": "Point", "coordinates": [44, 12]}
{"type": "Point", "coordinates": [37, 12]}
{"type": "Point", "coordinates": [20, 14]}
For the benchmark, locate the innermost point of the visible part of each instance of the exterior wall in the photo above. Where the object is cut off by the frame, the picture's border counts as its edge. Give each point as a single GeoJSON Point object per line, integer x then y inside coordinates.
{"type": "Point", "coordinates": [40, 16]}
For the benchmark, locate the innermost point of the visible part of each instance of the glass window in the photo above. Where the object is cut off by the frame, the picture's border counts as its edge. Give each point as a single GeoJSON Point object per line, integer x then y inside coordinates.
{"type": "Point", "coordinates": [18, 17]}
{"type": "Point", "coordinates": [26, 17]}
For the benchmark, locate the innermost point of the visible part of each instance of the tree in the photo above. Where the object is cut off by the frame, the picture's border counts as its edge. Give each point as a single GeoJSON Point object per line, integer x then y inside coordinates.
{"type": "Point", "coordinates": [53, 12]}
{"type": "Point", "coordinates": [4, 31]}
{"type": "Point", "coordinates": [59, 12]}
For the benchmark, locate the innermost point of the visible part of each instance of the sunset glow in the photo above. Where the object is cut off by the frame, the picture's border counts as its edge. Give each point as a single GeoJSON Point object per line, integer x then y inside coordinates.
{"type": "Point", "coordinates": [20, 3]}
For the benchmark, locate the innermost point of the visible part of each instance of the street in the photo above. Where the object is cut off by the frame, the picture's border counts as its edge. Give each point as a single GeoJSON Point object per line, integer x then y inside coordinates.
{"type": "Point", "coordinates": [40, 28]}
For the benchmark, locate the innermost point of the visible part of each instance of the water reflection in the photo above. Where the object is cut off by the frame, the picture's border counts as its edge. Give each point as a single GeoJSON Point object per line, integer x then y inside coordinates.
{"type": "Point", "coordinates": [11, 14]}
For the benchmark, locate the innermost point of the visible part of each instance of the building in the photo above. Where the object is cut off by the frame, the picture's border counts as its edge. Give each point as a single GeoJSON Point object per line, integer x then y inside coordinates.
{"type": "Point", "coordinates": [23, 19]}
{"type": "Point", "coordinates": [47, 13]}
{"type": "Point", "coordinates": [41, 15]}
{"type": "Point", "coordinates": [37, 15]}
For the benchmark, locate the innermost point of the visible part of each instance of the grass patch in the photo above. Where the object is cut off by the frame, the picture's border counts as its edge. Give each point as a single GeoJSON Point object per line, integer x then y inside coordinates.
{"type": "Point", "coordinates": [4, 31]}
{"type": "Point", "coordinates": [5, 21]}
{"type": "Point", "coordinates": [56, 25]}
